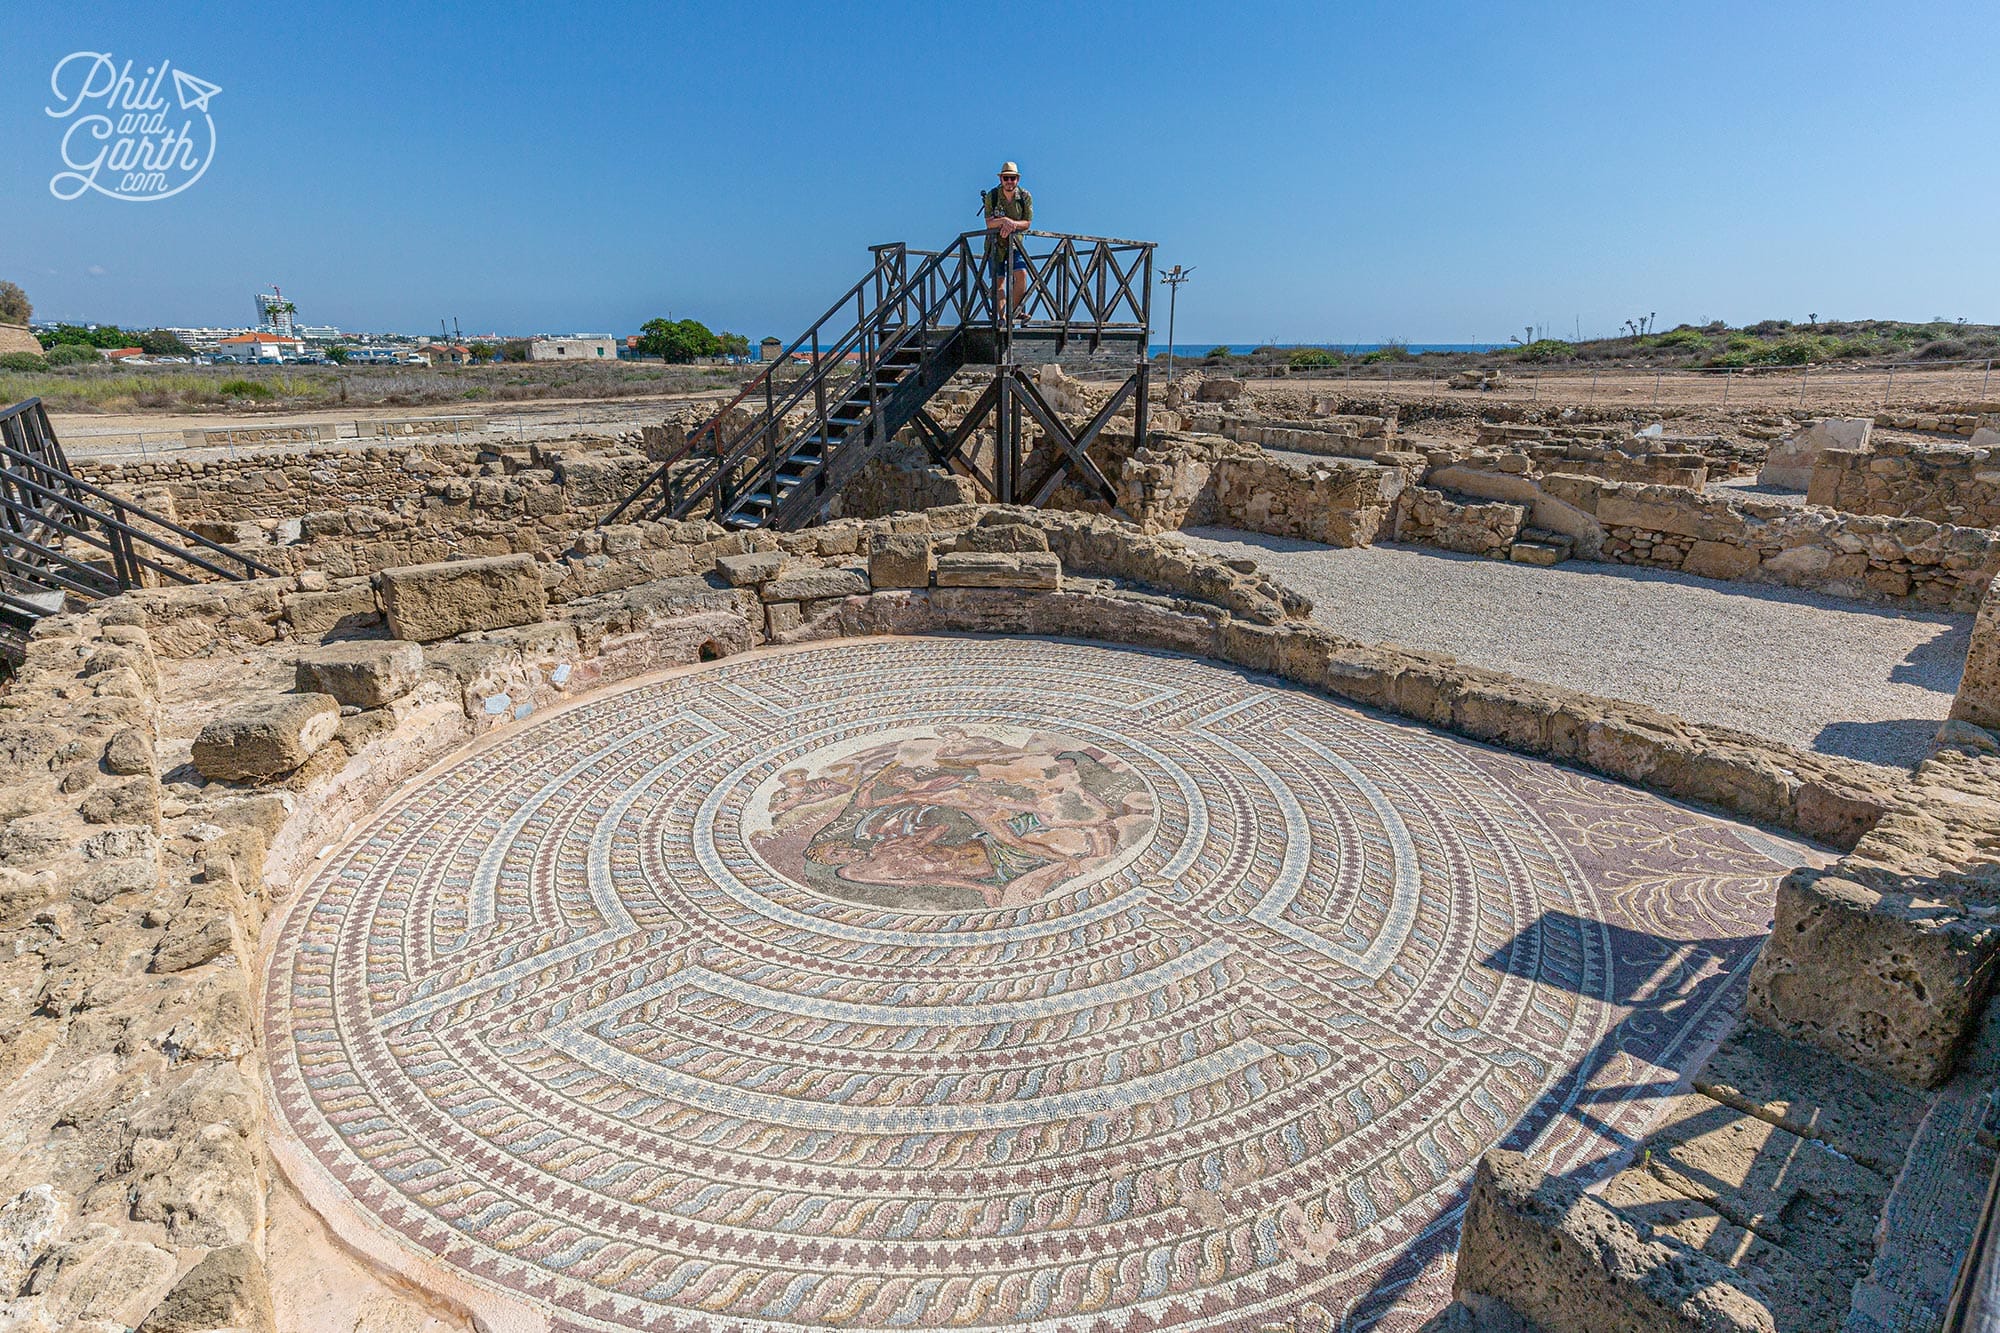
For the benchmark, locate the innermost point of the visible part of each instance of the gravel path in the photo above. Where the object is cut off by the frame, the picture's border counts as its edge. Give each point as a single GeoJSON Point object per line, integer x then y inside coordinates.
{"type": "Point", "coordinates": [1840, 677]}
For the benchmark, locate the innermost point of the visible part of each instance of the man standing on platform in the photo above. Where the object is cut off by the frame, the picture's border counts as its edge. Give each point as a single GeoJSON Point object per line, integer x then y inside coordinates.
{"type": "Point", "coordinates": [1009, 209]}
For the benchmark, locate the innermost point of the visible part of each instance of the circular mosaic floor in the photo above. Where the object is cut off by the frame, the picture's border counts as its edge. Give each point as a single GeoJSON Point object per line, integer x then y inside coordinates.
{"type": "Point", "coordinates": [982, 983]}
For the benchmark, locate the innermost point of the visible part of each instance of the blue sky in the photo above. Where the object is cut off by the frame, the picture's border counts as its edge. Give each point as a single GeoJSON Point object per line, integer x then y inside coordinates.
{"type": "Point", "coordinates": [1438, 172]}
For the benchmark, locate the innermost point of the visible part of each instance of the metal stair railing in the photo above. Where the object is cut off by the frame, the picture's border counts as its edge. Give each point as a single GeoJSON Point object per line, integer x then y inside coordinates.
{"type": "Point", "coordinates": [46, 511]}
{"type": "Point", "coordinates": [827, 352]}
{"type": "Point", "coordinates": [1081, 286]}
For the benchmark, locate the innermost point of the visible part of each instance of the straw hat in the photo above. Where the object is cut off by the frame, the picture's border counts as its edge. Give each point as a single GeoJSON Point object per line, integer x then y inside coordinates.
{"type": "Point", "coordinates": [1009, 169]}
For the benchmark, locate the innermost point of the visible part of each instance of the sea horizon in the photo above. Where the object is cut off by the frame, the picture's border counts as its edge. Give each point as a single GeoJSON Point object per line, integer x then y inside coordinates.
{"type": "Point", "coordinates": [1195, 351]}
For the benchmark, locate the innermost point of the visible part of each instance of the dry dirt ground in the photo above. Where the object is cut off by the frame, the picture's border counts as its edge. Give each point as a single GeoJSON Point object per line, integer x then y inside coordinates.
{"type": "Point", "coordinates": [1818, 391]}
{"type": "Point", "coordinates": [117, 436]}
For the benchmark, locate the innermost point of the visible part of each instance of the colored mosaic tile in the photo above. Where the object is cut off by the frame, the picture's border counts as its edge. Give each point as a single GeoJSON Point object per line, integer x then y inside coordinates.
{"type": "Point", "coordinates": [985, 983]}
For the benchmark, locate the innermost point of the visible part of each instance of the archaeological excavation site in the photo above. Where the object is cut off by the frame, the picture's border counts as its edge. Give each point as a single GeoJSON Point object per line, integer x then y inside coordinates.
{"type": "Point", "coordinates": [972, 831]}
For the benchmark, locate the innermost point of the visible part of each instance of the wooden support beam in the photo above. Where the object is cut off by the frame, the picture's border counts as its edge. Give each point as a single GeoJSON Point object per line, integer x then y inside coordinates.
{"type": "Point", "coordinates": [1084, 466]}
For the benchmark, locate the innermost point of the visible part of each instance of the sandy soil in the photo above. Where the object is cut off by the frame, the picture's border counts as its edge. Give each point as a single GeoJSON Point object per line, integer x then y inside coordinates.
{"type": "Point", "coordinates": [1816, 391]}
{"type": "Point", "coordinates": [124, 436]}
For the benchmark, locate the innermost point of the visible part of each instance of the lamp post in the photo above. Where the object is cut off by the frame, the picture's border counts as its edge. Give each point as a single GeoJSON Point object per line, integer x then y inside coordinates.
{"type": "Point", "coordinates": [1173, 277]}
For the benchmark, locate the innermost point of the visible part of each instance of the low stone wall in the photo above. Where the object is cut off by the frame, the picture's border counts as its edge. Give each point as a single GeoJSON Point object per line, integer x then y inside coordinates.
{"type": "Point", "coordinates": [355, 512]}
{"type": "Point", "coordinates": [1330, 436]}
{"type": "Point", "coordinates": [1944, 483]}
{"type": "Point", "coordinates": [1743, 537]}
{"type": "Point", "coordinates": [1431, 518]}
{"type": "Point", "coordinates": [1887, 958]}
{"type": "Point", "coordinates": [281, 486]}
{"type": "Point", "coordinates": [133, 1190]}
{"type": "Point", "coordinates": [1950, 419]}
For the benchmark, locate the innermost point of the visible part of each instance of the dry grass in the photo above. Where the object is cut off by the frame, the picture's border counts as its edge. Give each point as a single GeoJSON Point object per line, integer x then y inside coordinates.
{"type": "Point", "coordinates": [208, 389]}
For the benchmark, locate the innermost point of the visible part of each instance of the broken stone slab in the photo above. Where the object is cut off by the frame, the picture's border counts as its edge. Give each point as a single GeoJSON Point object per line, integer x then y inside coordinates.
{"type": "Point", "coordinates": [227, 1290]}
{"type": "Point", "coordinates": [426, 603]}
{"type": "Point", "coordinates": [266, 740]}
{"type": "Point", "coordinates": [899, 560]}
{"type": "Point", "coordinates": [313, 614]}
{"type": "Point", "coordinates": [366, 673]}
{"type": "Point", "coordinates": [1893, 982]}
{"type": "Point", "coordinates": [1789, 465]}
{"type": "Point", "coordinates": [997, 569]}
{"type": "Point", "coordinates": [1978, 699]}
{"type": "Point", "coordinates": [1572, 1264]}
{"type": "Point", "coordinates": [812, 584]}
{"type": "Point", "coordinates": [750, 568]}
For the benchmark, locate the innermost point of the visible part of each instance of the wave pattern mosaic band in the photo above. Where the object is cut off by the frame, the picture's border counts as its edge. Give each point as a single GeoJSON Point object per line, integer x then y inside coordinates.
{"type": "Point", "coordinates": [982, 983]}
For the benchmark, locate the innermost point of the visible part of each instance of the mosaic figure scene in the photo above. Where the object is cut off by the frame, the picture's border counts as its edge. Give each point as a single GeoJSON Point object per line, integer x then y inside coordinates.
{"type": "Point", "coordinates": [952, 809]}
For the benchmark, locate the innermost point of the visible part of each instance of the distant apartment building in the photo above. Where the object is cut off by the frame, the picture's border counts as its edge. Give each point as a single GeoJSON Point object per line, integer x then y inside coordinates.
{"type": "Point", "coordinates": [253, 347]}
{"type": "Point", "coordinates": [579, 347]}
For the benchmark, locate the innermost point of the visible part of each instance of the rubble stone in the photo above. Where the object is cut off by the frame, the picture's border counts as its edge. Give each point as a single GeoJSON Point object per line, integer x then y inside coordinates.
{"type": "Point", "coordinates": [994, 569]}
{"type": "Point", "coordinates": [425, 603]}
{"type": "Point", "coordinates": [365, 673]}
{"type": "Point", "coordinates": [899, 560]}
{"type": "Point", "coordinates": [266, 740]}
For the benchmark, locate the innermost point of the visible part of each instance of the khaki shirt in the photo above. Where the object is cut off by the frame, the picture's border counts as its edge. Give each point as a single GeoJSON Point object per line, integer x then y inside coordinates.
{"type": "Point", "coordinates": [992, 202]}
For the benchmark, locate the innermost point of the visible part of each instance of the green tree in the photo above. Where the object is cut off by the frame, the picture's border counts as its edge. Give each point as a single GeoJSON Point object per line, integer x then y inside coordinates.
{"type": "Point", "coordinates": [484, 352]}
{"type": "Point", "coordinates": [514, 349]}
{"type": "Point", "coordinates": [1313, 358]}
{"type": "Point", "coordinates": [104, 335]}
{"type": "Point", "coordinates": [733, 344]}
{"type": "Point", "coordinates": [677, 340]}
{"type": "Point", "coordinates": [159, 342]}
{"type": "Point", "coordinates": [337, 354]}
{"type": "Point", "coordinates": [15, 308]}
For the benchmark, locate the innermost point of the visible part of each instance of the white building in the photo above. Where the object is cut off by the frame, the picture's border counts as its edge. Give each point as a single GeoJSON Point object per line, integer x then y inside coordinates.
{"type": "Point", "coordinates": [249, 348]}
{"type": "Point", "coordinates": [577, 347]}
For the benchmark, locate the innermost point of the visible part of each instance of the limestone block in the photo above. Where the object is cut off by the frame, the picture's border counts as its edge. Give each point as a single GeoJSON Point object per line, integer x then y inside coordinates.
{"type": "Point", "coordinates": [129, 752]}
{"type": "Point", "coordinates": [266, 740]}
{"type": "Point", "coordinates": [742, 571]}
{"type": "Point", "coordinates": [899, 560]}
{"type": "Point", "coordinates": [1789, 465]}
{"type": "Point", "coordinates": [226, 1290]}
{"type": "Point", "coordinates": [425, 603]}
{"type": "Point", "coordinates": [1572, 1264]}
{"type": "Point", "coordinates": [1219, 390]}
{"type": "Point", "coordinates": [996, 569]}
{"type": "Point", "coordinates": [782, 618]}
{"type": "Point", "coordinates": [1000, 537]}
{"type": "Point", "coordinates": [1978, 700]}
{"type": "Point", "coordinates": [1720, 560]}
{"type": "Point", "coordinates": [1892, 982]}
{"type": "Point", "coordinates": [366, 673]}
{"type": "Point", "coordinates": [810, 584]}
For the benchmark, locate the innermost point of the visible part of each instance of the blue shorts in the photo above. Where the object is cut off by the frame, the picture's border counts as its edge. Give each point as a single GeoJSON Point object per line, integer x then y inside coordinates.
{"type": "Point", "coordinates": [998, 262]}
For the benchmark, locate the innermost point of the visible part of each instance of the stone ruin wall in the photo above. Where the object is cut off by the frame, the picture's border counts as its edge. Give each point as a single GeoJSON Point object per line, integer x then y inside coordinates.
{"type": "Point", "coordinates": [1484, 503]}
{"type": "Point", "coordinates": [135, 923]}
{"type": "Point", "coordinates": [1944, 483]}
{"type": "Point", "coordinates": [347, 512]}
{"type": "Point", "coordinates": [1883, 960]}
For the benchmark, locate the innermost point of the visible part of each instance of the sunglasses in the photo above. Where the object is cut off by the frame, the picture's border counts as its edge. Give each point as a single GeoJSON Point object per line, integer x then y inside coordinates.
{"type": "Point", "coordinates": [1010, 178]}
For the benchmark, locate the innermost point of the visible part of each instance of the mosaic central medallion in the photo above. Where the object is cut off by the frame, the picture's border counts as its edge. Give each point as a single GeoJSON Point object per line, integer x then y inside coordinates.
{"type": "Point", "coordinates": [979, 984]}
{"type": "Point", "coordinates": [951, 818]}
